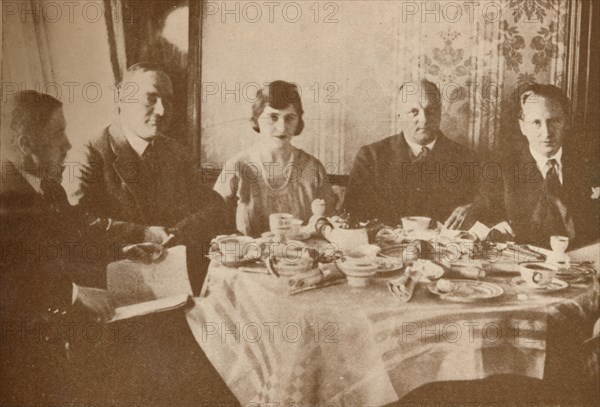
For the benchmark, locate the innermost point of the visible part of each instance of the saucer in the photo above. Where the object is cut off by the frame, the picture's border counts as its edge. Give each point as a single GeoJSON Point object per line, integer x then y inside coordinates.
{"type": "Point", "coordinates": [389, 265]}
{"type": "Point", "coordinates": [300, 236]}
{"type": "Point", "coordinates": [468, 291]}
{"type": "Point", "coordinates": [576, 272]}
{"type": "Point", "coordinates": [555, 285]}
{"type": "Point", "coordinates": [218, 257]}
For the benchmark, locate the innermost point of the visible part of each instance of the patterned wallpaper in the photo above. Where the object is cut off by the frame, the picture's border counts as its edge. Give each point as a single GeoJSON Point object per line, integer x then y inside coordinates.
{"type": "Point", "coordinates": [479, 57]}
{"type": "Point", "coordinates": [481, 65]}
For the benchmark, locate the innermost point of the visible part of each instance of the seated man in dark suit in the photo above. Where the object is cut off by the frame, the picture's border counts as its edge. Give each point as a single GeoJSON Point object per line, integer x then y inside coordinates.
{"type": "Point", "coordinates": [134, 174]}
{"type": "Point", "coordinates": [547, 186]}
{"type": "Point", "coordinates": [41, 251]}
{"type": "Point", "coordinates": [55, 348]}
{"type": "Point", "coordinates": [418, 172]}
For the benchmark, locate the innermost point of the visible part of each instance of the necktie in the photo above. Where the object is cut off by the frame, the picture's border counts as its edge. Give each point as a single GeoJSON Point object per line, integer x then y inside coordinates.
{"type": "Point", "coordinates": [553, 184]}
{"type": "Point", "coordinates": [54, 194]}
{"type": "Point", "coordinates": [554, 194]}
{"type": "Point", "coordinates": [423, 154]}
{"type": "Point", "coordinates": [150, 157]}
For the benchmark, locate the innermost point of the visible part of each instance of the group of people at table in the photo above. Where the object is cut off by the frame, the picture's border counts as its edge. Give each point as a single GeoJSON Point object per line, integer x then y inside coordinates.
{"type": "Point", "coordinates": [132, 184]}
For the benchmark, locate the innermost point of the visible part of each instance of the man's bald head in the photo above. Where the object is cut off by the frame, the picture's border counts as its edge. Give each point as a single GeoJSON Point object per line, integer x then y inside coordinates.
{"type": "Point", "coordinates": [419, 111]}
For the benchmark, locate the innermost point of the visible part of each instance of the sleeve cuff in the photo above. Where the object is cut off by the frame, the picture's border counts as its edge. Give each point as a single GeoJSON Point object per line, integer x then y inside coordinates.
{"type": "Point", "coordinates": [75, 292]}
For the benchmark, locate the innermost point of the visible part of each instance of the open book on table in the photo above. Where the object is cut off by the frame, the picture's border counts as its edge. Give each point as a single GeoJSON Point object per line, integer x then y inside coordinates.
{"type": "Point", "coordinates": [140, 289]}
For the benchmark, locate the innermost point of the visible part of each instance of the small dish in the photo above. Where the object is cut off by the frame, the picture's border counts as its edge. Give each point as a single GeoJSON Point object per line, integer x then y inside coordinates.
{"type": "Point", "coordinates": [358, 274]}
{"type": "Point", "coordinates": [302, 235]}
{"type": "Point", "coordinates": [216, 256]}
{"type": "Point", "coordinates": [407, 251]}
{"type": "Point", "coordinates": [576, 272]}
{"type": "Point", "coordinates": [415, 223]}
{"type": "Point", "coordinates": [389, 265]}
{"type": "Point", "coordinates": [466, 290]}
{"type": "Point", "coordinates": [362, 253]}
{"type": "Point", "coordinates": [555, 285]}
{"type": "Point", "coordinates": [292, 258]}
{"type": "Point", "coordinates": [234, 251]}
{"type": "Point", "coordinates": [288, 267]}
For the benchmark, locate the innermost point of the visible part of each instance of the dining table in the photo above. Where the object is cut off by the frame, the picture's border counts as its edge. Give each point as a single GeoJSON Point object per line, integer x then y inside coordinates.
{"type": "Point", "coordinates": [350, 346]}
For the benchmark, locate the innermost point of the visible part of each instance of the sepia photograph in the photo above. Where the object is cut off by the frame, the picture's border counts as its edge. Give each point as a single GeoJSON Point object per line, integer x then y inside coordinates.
{"type": "Point", "coordinates": [310, 203]}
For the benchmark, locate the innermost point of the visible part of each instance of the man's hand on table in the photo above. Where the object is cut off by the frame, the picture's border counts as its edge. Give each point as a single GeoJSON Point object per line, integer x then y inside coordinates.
{"type": "Point", "coordinates": [457, 217]}
{"type": "Point", "coordinates": [155, 234]}
{"type": "Point", "coordinates": [146, 252]}
{"type": "Point", "coordinates": [97, 301]}
{"type": "Point", "coordinates": [502, 232]}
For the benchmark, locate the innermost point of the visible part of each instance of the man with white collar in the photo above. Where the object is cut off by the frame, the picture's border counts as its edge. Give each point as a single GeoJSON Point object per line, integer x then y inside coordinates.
{"type": "Point", "coordinates": [42, 262]}
{"type": "Point", "coordinates": [418, 172]}
{"type": "Point", "coordinates": [546, 187]}
{"type": "Point", "coordinates": [47, 318]}
{"type": "Point", "coordinates": [134, 174]}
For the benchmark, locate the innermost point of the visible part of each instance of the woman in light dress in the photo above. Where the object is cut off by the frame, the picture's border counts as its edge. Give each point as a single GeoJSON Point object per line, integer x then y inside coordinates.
{"type": "Point", "coordinates": [274, 176]}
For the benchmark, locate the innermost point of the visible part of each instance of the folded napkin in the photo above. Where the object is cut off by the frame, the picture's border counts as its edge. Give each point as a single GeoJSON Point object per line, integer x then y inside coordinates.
{"type": "Point", "coordinates": [325, 275]}
{"type": "Point", "coordinates": [306, 279]}
{"type": "Point", "coordinates": [429, 270]}
{"type": "Point", "coordinates": [467, 271]}
{"type": "Point", "coordinates": [404, 287]}
{"type": "Point", "coordinates": [480, 231]}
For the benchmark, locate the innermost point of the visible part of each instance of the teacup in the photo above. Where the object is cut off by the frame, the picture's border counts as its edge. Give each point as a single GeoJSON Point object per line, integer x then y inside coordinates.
{"type": "Point", "coordinates": [416, 223]}
{"type": "Point", "coordinates": [537, 274]}
{"type": "Point", "coordinates": [280, 222]}
{"type": "Point", "coordinates": [559, 244]}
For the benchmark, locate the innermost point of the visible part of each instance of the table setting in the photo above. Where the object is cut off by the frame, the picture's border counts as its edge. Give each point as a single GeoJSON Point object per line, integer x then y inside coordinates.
{"type": "Point", "coordinates": [390, 297]}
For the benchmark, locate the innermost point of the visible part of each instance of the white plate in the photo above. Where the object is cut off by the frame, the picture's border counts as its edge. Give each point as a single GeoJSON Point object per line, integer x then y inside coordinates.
{"type": "Point", "coordinates": [216, 256]}
{"type": "Point", "coordinates": [300, 236]}
{"type": "Point", "coordinates": [577, 271]}
{"type": "Point", "coordinates": [555, 285]}
{"type": "Point", "coordinates": [389, 265]}
{"type": "Point", "coordinates": [468, 291]}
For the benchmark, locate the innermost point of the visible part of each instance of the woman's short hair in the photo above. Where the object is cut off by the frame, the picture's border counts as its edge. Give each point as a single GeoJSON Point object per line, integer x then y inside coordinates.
{"type": "Point", "coordinates": [278, 95]}
{"type": "Point", "coordinates": [31, 112]}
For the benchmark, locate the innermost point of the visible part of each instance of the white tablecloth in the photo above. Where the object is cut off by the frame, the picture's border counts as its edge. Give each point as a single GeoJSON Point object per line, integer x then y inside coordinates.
{"type": "Point", "coordinates": [342, 346]}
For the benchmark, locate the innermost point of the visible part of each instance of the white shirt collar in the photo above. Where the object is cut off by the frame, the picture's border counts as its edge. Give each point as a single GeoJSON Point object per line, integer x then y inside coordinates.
{"type": "Point", "coordinates": [416, 148]}
{"type": "Point", "coordinates": [136, 142]}
{"type": "Point", "coordinates": [33, 180]}
{"type": "Point", "coordinates": [542, 161]}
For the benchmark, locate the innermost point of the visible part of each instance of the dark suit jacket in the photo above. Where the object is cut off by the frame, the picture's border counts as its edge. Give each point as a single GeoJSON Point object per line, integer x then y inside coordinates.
{"type": "Point", "coordinates": [33, 281]}
{"type": "Point", "coordinates": [111, 181]}
{"type": "Point", "coordinates": [43, 251]}
{"type": "Point", "coordinates": [514, 195]}
{"type": "Point", "coordinates": [386, 184]}
{"type": "Point", "coordinates": [40, 260]}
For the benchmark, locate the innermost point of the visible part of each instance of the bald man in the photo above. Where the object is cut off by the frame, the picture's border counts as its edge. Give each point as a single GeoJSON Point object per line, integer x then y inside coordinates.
{"type": "Point", "coordinates": [418, 172]}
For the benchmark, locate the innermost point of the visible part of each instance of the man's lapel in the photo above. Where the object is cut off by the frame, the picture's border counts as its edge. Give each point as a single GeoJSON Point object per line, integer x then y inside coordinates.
{"type": "Point", "coordinates": [396, 171]}
{"type": "Point", "coordinates": [402, 153]}
{"type": "Point", "coordinates": [526, 184]}
{"type": "Point", "coordinates": [21, 201]}
{"type": "Point", "coordinates": [573, 174]}
{"type": "Point", "coordinates": [17, 193]}
{"type": "Point", "coordinates": [127, 164]}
